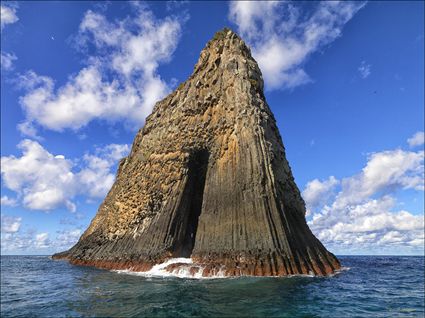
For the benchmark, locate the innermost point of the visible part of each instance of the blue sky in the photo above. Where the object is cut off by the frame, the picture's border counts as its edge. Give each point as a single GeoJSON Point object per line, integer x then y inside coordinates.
{"type": "Point", "coordinates": [344, 80]}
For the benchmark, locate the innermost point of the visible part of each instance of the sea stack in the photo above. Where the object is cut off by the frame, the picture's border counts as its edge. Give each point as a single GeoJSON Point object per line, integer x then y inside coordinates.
{"type": "Point", "coordinates": [207, 179]}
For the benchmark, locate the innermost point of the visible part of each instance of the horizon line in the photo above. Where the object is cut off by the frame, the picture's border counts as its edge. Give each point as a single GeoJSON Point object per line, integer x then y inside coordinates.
{"type": "Point", "coordinates": [338, 255]}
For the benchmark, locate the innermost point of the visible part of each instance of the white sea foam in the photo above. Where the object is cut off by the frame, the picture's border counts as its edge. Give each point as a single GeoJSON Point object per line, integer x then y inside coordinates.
{"type": "Point", "coordinates": [339, 271]}
{"type": "Point", "coordinates": [183, 271]}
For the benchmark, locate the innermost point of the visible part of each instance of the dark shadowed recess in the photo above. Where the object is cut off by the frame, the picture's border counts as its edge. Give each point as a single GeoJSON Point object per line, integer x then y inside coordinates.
{"type": "Point", "coordinates": [191, 202]}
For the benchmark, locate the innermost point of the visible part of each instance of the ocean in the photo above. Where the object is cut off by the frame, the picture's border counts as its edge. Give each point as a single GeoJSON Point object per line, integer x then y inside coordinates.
{"type": "Point", "coordinates": [370, 286]}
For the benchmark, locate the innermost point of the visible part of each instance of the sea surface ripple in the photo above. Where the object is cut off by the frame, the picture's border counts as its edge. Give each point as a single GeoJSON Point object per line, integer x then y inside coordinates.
{"type": "Point", "coordinates": [375, 286]}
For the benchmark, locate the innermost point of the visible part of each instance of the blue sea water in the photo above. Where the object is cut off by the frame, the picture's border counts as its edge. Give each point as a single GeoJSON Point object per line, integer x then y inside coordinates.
{"type": "Point", "coordinates": [374, 286]}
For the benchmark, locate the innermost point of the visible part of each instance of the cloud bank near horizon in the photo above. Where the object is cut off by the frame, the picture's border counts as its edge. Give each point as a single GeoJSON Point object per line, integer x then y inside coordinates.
{"type": "Point", "coordinates": [361, 213]}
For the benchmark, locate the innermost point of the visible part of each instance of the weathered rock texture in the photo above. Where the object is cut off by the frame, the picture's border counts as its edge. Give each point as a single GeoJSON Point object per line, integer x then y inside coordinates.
{"type": "Point", "coordinates": [207, 178]}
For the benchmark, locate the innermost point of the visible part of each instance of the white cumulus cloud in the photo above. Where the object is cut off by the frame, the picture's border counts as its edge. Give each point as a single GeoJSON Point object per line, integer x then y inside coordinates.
{"type": "Point", "coordinates": [66, 239]}
{"type": "Point", "coordinates": [417, 139]}
{"type": "Point", "coordinates": [5, 200]}
{"type": "Point", "coordinates": [44, 181]}
{"type": "Point", "coordinates": [360, 212]}
{"type": "Point", "coordinates": [96, 176]}
{"type": "Point", "coordinates": [120, 83]}
{"type": "Point", "coordinates": [317, 193]}
{"type": "Point", "coordinates": [283, 36]}
{"type": "Point", "coordinates": [14, 239]}
{"type": "Point", "coordinates": [7, 15]}
{"type": "Point", "coordinates": [7, 60]}
{"type": "Point", "coordinates": [10, 224]}
{"type": "Point", "coordinates": [42, 240]}
{"type": "Point", "coordinates": [385, 171]}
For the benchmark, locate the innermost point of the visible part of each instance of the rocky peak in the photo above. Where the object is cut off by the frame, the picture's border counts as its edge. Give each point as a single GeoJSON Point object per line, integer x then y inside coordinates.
{"type": "Point", "coordinates": [227, 51]}
{"type": "Point", "coordinates": [207, 178]}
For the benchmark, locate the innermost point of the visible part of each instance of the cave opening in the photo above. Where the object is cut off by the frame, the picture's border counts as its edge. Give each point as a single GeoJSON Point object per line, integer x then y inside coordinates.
{"type": "Point", "coordinates": [193, 198]}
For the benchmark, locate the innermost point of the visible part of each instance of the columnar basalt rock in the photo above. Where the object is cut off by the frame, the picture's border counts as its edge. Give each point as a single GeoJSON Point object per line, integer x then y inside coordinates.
{"type": "Point", "coordinates": [207, 178]}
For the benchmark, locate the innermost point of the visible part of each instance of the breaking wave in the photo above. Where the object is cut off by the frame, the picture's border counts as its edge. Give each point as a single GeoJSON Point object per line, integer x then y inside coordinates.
{"type": "Point", "coordinates": [186, 270]}
{"type": "Point", "coordinates": [182, 271]}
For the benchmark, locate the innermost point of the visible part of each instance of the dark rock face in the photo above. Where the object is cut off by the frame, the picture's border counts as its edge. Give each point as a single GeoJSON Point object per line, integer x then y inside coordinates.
{"type": "Point", "coordinates": [207, 178]}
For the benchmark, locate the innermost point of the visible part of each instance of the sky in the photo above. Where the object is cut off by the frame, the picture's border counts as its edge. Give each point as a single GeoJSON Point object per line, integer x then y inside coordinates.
{"type": "Point", "coordinates": [345, 81]}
